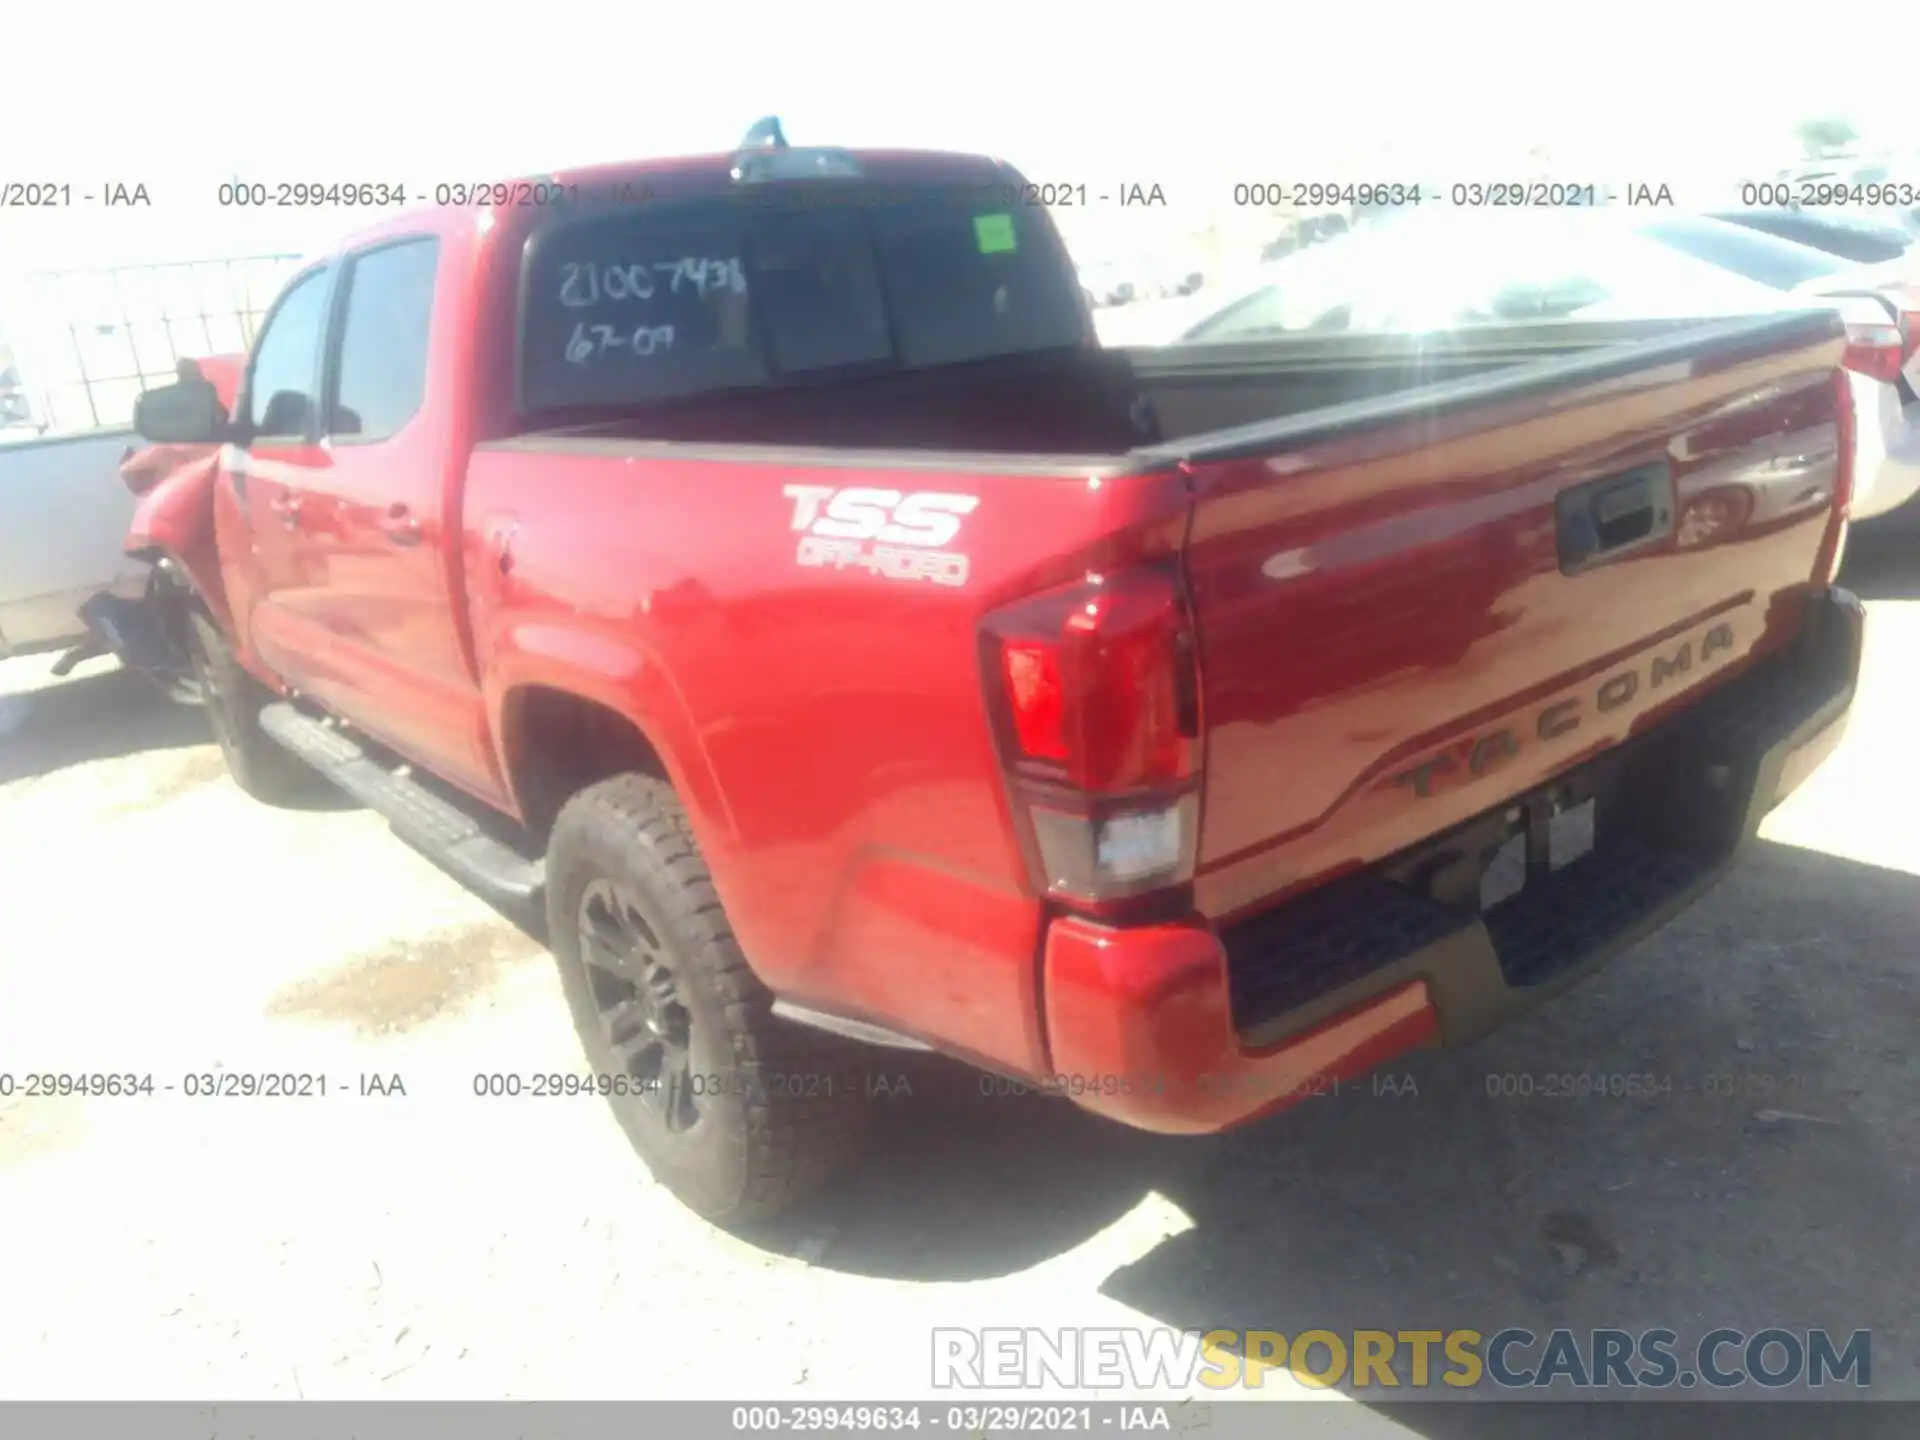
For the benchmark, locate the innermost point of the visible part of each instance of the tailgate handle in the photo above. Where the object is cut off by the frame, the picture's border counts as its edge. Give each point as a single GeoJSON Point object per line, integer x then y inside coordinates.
{"type": "Point", "coordinates": [1614, 514]}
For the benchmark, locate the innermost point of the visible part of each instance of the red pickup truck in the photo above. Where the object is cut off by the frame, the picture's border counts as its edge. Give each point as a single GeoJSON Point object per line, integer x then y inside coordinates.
{"type": "Point", "coordinates": [758, 558]}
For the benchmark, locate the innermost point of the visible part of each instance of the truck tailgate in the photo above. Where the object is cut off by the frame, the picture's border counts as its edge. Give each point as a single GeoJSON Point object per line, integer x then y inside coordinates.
{"type": "Point", "coordinates": [1411, 610]}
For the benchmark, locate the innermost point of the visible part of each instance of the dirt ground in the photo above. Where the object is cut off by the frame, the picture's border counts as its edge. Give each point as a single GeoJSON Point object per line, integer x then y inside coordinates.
{"type": "Point", "coordinates": [433, 1243]}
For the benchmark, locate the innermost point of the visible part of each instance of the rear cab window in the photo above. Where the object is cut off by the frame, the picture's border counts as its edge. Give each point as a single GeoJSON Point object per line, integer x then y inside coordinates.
{"type": "Point", "coordinates": [785, 285]}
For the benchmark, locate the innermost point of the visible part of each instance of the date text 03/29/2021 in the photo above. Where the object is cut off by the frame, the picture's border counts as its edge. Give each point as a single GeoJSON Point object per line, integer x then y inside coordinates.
{"type": "Point", "coordinates": [373, 195]}
{"type": "Point", "coordinates": [1005, 1418]}
{"type": "Point", "coordinates": [1754, 1086]}
{"type": "Point", "coordinates": [1648, 1085]}
{"type": "Point", "coordinates": [498, 1085]}
{"type": "Point", "coordinates": [198, 1085]}
{"type": "Point", "coordinates": [1460, 194]}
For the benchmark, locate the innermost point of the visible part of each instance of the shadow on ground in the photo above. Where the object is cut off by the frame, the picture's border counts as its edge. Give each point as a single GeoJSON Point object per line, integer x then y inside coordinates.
{"type": "Point", "coordinates": [117, 714]}
{"type": "Point", "coordinates": [1787, 992]}
{"type": "Point", "coordinates": [92, 717]}
{"type": "Point", "coordinates": [1768, 1180]}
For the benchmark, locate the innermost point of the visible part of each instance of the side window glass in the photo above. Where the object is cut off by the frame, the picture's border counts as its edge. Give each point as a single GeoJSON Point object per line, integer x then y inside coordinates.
{"type": "Point", "coordinates": [383, 342]}
{"type": "Point", "coordinates": [283, 390]}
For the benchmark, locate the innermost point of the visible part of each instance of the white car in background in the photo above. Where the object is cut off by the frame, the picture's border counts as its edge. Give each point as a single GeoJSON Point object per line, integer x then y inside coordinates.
{"type": "Point", "coordinates": [1881, 305]}
{"type": "Point", "coordinates": [1444, 270]}
{"type": "Point", "coordinates": [1170, 276]}
{"type": "Point", "coordinates": [1885, 367]}
{"type": "Point", "coordinates": [63, 518]}
{"type": "Point", "coordinates": [1105, 283]}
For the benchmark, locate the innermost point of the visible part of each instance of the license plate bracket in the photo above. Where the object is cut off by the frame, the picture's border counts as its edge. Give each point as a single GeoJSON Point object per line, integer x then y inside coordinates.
{"type": "Point", "coordinates": [1550, 833]}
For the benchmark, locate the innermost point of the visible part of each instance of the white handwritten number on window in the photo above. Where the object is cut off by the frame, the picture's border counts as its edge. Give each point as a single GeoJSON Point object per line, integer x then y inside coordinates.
{"type": "Point", "coordinates": [586, 284]}
{"type": "Point", "coordinates": [587, 341]}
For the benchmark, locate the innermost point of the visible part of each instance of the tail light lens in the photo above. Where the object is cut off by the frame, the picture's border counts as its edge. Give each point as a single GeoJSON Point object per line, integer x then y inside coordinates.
{"type": "Point", "coordinates": [1095, 694]}
{"type": "Point", "coordinates": [1876, 350]}
{"type": "Point", "coordinates": [1094, 682]}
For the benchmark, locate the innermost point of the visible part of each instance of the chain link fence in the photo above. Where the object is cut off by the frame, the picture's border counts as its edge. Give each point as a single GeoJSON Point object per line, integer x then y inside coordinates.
{"type": "Point", "coordinates": [85, 343]}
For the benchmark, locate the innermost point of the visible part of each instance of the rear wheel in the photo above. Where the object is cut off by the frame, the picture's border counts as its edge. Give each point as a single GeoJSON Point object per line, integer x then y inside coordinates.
{"type": "Point", "coordinates": [737, 1112]}
{"type": "Point", "coordinates": [234, 700]}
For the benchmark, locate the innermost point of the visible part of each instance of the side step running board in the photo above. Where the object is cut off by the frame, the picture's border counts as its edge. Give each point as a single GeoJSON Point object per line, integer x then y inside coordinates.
{"type": "Point", "coordinates": [417, 815]}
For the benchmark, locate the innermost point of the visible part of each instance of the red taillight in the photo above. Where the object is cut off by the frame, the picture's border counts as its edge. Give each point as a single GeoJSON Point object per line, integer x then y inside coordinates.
{"type": "Point", "coordinates": [1096, 699]}
{"type": "Point", "coordinates": [1098, 682]}
{"type": "Point", "coordinates": [1032, 672]}
{"type": "Point", "coordinates": [1875, 350]}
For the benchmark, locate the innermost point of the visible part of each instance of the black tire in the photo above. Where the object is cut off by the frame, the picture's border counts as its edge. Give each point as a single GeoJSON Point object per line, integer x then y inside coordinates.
{"type": "Point", "coordinates": [234, 700]}
{"type": "Point", "coordinates": [737, 1112]}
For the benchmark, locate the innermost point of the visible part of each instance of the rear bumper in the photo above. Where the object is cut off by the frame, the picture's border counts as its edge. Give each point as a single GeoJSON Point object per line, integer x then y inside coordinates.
{"type": "Point", "coordinates": [1184, 1028]}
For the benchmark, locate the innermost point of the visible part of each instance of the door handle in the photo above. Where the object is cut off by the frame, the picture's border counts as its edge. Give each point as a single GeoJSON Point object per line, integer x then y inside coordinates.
{"type": "Point", "coordinates": [400, 526]}
{"type": "Point", "coordinates": [288, 509]}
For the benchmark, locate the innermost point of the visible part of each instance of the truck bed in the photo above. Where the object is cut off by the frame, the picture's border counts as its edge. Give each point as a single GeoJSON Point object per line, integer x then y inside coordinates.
{"type": "Point", "coordinates": [1107, 402]}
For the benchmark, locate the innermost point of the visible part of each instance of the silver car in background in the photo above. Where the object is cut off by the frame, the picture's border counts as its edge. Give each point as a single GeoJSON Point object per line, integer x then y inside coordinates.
{"type": "Point", "coordinates": [1448, 269]}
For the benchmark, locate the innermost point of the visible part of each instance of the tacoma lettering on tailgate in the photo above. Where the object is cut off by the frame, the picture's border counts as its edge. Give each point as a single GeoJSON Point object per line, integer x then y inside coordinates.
{"type": "Point", "coordinates": [1558, 719]}
{"type": "Point", "coordinates": [891, 533]}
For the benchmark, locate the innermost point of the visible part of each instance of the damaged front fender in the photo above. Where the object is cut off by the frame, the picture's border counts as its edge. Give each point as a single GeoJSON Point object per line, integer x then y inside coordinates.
{"type": "Point", "coordinates": [174, 520]}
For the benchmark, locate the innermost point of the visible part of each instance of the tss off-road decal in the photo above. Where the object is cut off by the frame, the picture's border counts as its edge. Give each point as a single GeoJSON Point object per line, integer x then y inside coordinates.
{"type": "Point", "coordinates": [890, 533]}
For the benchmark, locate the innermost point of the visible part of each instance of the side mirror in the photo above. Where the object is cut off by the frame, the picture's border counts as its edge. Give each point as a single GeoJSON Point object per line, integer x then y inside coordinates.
{"type": "Point", "coordinates": [181, 414]}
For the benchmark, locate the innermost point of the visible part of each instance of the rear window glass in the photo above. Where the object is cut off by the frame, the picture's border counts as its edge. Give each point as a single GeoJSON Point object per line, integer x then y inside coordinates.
{"type": "Point", "coordinates": [779, 288]}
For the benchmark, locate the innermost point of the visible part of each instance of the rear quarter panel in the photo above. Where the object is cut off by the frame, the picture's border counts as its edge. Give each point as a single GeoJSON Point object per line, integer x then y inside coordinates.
{"type": "Point", "coordinates": [825, 727]}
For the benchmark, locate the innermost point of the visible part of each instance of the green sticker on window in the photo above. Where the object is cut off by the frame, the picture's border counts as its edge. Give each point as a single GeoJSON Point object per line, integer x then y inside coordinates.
{"type": "Point", "coordinates": [994, 234]}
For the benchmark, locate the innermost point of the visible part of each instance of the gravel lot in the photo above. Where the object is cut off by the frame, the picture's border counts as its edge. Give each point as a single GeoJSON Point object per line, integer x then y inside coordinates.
{"type": "Point", "coordinates": [436, 1244]}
